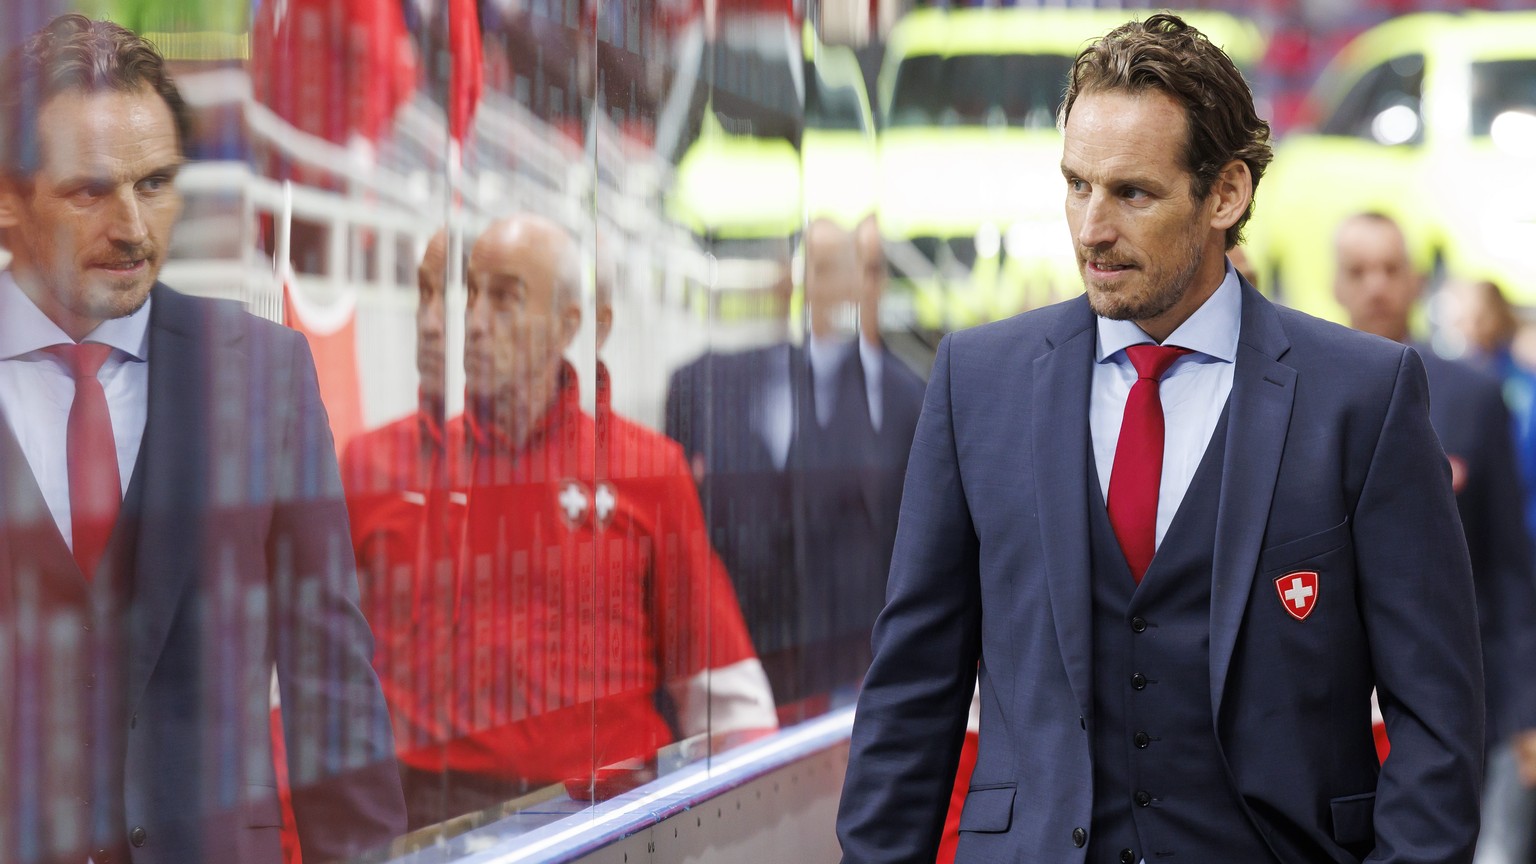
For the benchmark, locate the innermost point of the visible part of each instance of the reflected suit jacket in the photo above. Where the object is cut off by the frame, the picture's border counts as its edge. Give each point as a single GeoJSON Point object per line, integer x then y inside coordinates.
{"type": "Point", "coordinates": [230, 559]}
{"type": "Point", "coordinates": [808, 544]}
{"type": "Point", "coordinates": [1330, 466]}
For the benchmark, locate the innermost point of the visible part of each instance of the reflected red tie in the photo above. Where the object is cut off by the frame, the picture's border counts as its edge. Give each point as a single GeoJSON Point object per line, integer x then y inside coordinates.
{"type": "Point", "coordinates": [1138, 469]}
{"type": "Point", "coordinates": [95, 489]}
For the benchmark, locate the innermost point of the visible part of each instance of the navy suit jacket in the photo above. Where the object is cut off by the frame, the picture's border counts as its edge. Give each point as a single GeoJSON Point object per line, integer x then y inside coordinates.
{"type": "Point", "coordinates": [807, 546]}
{"type": "Point", "coordinates": [1330, 465]}
{"type": "Point", "coordinates": [1467, 409]}
{"type": "Point", "coordinates": [237, 562]}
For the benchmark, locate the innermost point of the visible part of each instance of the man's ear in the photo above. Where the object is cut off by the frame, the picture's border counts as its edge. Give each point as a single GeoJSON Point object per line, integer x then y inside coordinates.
{"type": "Point", "coordinates": [1230, 194]}
{"type": "Point", "coordinates": [570, 323]}
{"type": "Point", "coordinates": [11, 200]}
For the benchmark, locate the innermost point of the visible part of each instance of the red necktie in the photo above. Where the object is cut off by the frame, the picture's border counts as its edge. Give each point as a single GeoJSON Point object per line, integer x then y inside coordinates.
{"type": "Point", "coordinates": [1138, 470]}
{"type": "Point", "coordinates": [95, 490]}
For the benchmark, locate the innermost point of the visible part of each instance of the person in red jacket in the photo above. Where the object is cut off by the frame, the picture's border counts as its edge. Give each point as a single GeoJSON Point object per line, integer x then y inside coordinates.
{"type": "Point", "coordinates": [578, 618]}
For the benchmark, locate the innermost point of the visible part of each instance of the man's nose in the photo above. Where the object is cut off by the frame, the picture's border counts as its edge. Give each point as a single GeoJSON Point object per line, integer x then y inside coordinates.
{"type": "Point", "coordinates": [432, 319]}
{"type": "Point", "coordinates": [127, 226]}
{"type": "Point", "coordinates": [1098, 227]}
{"type": "Point", "coordinates": [476, 311]}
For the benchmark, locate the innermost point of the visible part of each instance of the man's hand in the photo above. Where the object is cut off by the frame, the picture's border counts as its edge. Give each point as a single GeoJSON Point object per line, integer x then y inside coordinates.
{"type": "Point", "coordinates": [1524, 745]}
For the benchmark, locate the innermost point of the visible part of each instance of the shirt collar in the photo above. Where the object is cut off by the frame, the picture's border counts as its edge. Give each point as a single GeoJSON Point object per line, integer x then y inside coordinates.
{"type": "Point", "coordinates": [24, 328]}
{"type": "Point", "coordinates": [1212, 330]}
{"type": "Point", "coordinates": [827, 352]}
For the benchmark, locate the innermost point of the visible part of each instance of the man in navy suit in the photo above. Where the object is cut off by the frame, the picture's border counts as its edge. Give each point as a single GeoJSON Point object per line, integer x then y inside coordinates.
{"type": "Point", "coordinates": [799, 452]}
{"type": "Point", "coordinates": [172, 530]}
{"type": "Point", "coordinates": [1181, 532]}
{"type": "Point", "coordinates": [1376, 284]}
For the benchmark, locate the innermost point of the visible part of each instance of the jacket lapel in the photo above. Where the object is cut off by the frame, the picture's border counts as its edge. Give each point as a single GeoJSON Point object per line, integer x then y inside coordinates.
{"type": "Point", "coordinates": [1260, 412]}
{"type": "Point", "coordinates": [174, 460]}
{"type": "Point", "coordinates": [1063, 377]}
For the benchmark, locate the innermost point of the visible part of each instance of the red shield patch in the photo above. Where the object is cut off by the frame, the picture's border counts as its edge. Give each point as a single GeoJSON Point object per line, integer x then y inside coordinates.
{"type": "Point", "coordinates": [1298, 593]}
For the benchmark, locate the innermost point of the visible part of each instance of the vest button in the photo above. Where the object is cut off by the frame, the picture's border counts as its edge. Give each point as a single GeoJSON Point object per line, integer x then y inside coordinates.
{"type": "Point", "coordinates": [1079, 837]}
{"type": "Point", "coordinates": [1139, 624]}
{"type": "Point", "coordinates": [138, 836]}
{"type": "Point", "coordinates": [1143, 798]}
{"type": "Point", "coordinates": [1139, 681]}
{"type": "Point", "coordinates": [1142, 740]}
{"type": "Point", "coordinates": [1127, 856]}
{"type": "Point", "coordinates": [102, 856]}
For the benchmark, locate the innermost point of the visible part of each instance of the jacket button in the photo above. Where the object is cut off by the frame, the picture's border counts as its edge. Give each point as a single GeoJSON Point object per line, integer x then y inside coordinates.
{"type": "Point", "coordinates": [138, 836]}
{"type": "Point", "coordinates": [1139, 681]}
{"type": "Point", "coordinates": [1127, 856]}
{"type": "Point", "coordinates": [1143, 798]}
{"type": "Point", "coordinates": [1079, 837]}
{"type": "Point", "coordinates": [1142, 740]}
{"type": "Point", "coordinates": [1139, 624]}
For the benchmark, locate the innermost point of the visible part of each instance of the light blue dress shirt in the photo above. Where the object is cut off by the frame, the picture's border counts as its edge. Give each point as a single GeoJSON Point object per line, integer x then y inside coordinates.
{"type": "Point", "coordinates": [1194, 391]}
{"type": "Point", "coordinates": [37, 389]}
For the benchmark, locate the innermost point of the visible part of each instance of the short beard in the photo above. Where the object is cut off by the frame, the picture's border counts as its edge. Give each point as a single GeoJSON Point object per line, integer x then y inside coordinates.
{"type": "Point", "coordinates": [1159, 297]}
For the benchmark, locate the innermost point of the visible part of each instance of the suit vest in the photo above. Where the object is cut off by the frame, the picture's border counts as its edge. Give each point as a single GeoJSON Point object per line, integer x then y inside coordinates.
{"type": "Point", "coordinates": [67, 737]}
{"type": "Point", "coordinates": [1160, 785]}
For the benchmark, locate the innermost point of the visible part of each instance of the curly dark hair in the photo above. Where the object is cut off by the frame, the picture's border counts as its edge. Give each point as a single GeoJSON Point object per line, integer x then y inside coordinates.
{"type": "Point", "coordinates": [75, 53]}
{"type": "Point", "coordinates": [1166, 54]}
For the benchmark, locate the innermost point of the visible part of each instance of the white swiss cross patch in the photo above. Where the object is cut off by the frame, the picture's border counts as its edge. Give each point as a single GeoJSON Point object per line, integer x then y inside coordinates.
{"type": "Point", "coordinates": [1298, 593]}
{"type": "Point", "coordinates": [574, 502]}
{"type": "Point", "coordinates": [606, 501]}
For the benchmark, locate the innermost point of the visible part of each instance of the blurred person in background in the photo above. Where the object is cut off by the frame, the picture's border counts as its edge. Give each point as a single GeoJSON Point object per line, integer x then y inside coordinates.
{"type": "Point", "coordinates": [1182, 531]}
{"type": "Point", "coordinates": [1491, 328]}
{"type": "Point", "coordinates": [803, 450]}
{"type": "Point", "coordinates": [170, 509]}
{"type": "Point", "coordinates": [535, 685]}
{"type": "Point", "coordinates": [1376, 284]}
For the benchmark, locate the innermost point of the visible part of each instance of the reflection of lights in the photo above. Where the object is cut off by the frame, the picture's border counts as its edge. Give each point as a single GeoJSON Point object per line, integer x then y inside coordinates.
{"type": "Point", "coordinates": [1514, 132]}
{"type": "Point", "coordinates": [1395, 125]}
{"type": "Point", "coordinates": [988, 241]}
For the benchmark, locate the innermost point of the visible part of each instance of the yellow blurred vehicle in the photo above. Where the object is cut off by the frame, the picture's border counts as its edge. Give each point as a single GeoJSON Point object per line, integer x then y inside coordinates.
{"type": "Point", "coordinates": [770, 131]}
{"type": "Point", "coordinates": [1430, 119]}
{"type": "Point", "coordinates": [971, 194]}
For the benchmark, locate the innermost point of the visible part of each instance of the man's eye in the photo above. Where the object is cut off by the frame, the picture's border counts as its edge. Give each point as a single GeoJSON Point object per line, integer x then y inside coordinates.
{"type": "Point", "coordinates": [1076, 185]}
{"type": "Point", "coordinates": [1133, 193]}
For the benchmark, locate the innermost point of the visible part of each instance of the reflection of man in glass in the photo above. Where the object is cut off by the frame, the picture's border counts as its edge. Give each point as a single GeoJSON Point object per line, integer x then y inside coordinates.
{"type": "Point", "coordinates": [170, 510]}
{"type": "Point", "coordinates": [1178, 534]}
{"type": "Point", "coordinates": [590, 622]}
{"type": "Point", "coordinates": [396, 491]}
{"type": "Point", "coordinates": [801, 450]}
{"type": "Point", "coordinates": [384, 458]}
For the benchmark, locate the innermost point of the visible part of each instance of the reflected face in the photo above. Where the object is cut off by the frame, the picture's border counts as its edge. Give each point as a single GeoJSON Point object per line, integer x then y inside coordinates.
{"type": "Point", "coordinates": [833, 281]}
{"type": "Point", "coordinates": [91, 233]}
{"type": "Point", "coordinates": [1139, 235]}
{"type": "Point", "coordinates": [517, 327]}
{"type": "Point", "coordinates": [1374, 280]}
{"type": "Point", "coordinates": [430, 318]}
